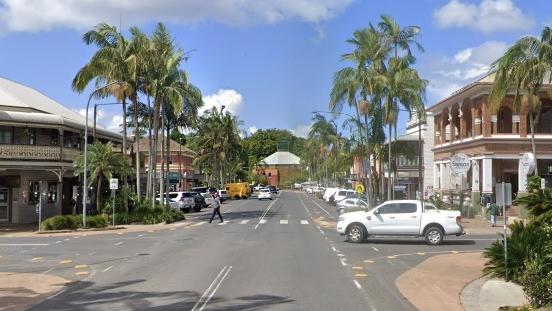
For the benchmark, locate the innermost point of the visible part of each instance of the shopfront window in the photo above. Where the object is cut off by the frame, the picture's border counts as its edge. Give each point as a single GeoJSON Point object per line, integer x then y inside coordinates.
{"type": "Point", "coordinates": [24, 136]}
{"type": "Point", "coordinates": [52, 192]}
{"type": "Point", "coordinates": [34, 192]}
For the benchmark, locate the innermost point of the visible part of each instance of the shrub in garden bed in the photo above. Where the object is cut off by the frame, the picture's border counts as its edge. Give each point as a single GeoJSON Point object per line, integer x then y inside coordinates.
{"type": "Point", "coordinates": [72, 222]}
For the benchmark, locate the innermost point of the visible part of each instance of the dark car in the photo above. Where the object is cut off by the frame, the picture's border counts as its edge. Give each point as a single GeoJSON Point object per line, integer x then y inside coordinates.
{"type": "Point", "coordinates": [199, 201]}
{"type": "Point", "coordinates": [273, 189]}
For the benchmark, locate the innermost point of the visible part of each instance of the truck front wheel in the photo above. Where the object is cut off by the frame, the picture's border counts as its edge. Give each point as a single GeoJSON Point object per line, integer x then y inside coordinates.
{"type": "Point", "coordinates": [434, 236]}
{"type": "Point", "coordinates": [356, 234]}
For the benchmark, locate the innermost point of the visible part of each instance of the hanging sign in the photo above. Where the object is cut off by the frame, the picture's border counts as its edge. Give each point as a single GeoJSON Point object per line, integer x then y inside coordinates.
{"type": "Point", "coordinates": [460, 163]}
{"type": "Point", "coordinates": [527, 163]}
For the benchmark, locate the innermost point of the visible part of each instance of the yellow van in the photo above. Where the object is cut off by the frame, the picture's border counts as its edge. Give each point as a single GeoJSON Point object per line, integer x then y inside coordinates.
{"type": "Point", "coordinates": [239, 190]}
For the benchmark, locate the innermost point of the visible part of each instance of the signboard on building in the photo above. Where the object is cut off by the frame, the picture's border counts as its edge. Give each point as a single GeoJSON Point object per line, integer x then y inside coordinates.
{"type": "Point", "coordinates": [113, 184]}
{"type": "Point", "coordinates": [527, 163]}
{"type": "Point", "coordinates": [460, 163]}
{"type": "Point", "coordinates": [174, 177]}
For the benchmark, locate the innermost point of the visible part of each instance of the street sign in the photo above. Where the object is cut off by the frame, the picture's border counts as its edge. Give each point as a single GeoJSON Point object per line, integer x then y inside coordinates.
{"type": "Point", "coordinates": [508, 194]}
{"type": "Point", "coordinates": [460, 163]}
{"type": "Point", "coordinates": [527, 163]}
{"type": "Point", "coordinates": [543, 183]}
{"type": "Point", "coordinates": [359, 188]}
{"type": "Point", "coordinates": [113, 184]}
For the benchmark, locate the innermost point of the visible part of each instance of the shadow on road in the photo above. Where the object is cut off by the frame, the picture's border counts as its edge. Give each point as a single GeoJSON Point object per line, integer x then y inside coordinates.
{"type": "Point", "coordinates": [117, 296]}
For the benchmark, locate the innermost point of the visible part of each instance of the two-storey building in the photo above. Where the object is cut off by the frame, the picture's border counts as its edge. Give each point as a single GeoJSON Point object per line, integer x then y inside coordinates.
{"type": "Point", "coordinates": [494, 142]}
{"type": "Point", "coordinates": [39, 139]}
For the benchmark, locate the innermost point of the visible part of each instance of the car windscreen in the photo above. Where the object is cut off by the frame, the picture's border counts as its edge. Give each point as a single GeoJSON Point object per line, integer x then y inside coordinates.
{"type": "Point", "coordinates": [342, 193]}
{"type": "Point", "coordinates": [186, 194]}
{"type": "Point", "coordinates": [173, 195]}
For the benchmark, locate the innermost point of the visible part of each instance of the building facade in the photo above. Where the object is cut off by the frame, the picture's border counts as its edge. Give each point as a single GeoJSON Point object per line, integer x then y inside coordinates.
{"type": "Point", "coordinates": [280, 168]}
{"type": "Point", "coordinates": [494, 142]}
{"type": "Point", "coordinates": [39, 139]}
{"type": "Point", "coordinates": [182, 175]}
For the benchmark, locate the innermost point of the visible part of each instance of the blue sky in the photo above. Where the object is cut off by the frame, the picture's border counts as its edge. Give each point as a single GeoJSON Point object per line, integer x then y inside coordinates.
{"type": "Point", "coordinates": [270, 62]}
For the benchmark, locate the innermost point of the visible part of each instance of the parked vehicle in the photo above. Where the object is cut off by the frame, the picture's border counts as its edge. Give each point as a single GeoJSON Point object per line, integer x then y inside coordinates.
{"type": "Point", "coordinates": [208, 198]}
{"type": "Point", "coordinates": [199, 201]}
{"type": "Point", "coordinates": [258, 187]}
{"type": "Point", "coordinates": [223, 195]}
{"type": "Point", "coordinates": [328, 193]}
{"type": "Point", "coordinates": [240, 190]}
{"type": "Point", "coordinates": [342, 194]}
{"type": "Point", "coordinates": [401, 218]}
{"type": "Point", "coordinates": [265, 193]}
{"type": "Point", "coordinates": [273, 189]}
{"type": "Point", "coordinates": [350, 204]}
{"type": "Point", "coordinates": [181, 200]}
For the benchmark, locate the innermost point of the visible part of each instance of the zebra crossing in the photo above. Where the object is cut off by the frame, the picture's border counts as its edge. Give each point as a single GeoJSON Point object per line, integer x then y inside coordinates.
{"type": "Point", "coordinates": [253, 221]}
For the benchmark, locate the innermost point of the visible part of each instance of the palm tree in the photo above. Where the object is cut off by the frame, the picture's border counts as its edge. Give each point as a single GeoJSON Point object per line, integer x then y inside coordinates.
{"type": "Point", "coordinates": [524, 68]}
{"type": "Point", "coordinates": [113, 66]}
{"type": "Point", "coordinates": [103, 164]}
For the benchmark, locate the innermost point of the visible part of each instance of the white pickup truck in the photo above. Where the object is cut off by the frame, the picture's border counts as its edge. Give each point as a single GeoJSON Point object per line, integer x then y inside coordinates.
{"type": "Point", "coordinates": [401, 218]}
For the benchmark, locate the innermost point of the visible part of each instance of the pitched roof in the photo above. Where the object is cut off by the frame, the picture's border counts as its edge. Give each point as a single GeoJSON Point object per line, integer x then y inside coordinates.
{"type": "Point", "coordinates": [281, 158]}
{"type": "Point", "coordinates": [144, 146]}
{"type": "Point", "coordinates": [21, 103]}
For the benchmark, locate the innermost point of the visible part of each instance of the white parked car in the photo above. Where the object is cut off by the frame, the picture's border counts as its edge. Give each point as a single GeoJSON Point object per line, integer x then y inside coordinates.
{"type": "Point", "coordinates": [347, 204]}
{"type": "Point", "coordinates": [328, 193]}
{"type": "Point", "coordinates": [341, 194]}
{"type": "Point", "coordinates": [265, 193]}
{"type": "Point", "coordinates": [223, 195]}
{"type": "Point", "coordinates": [208, 199]}
{"type": "Point", "coordinates": [401, 218]}
{"type": "Point", "coordinates": [258, 187]}
{"type": "Point", "coordinates": [182, 200]}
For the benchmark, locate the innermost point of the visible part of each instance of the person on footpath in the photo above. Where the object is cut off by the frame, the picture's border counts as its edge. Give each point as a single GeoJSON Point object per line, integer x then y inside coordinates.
{"type": "Point", "coordinates": [492, 209]}
{"type": "Point", "coordinates": [216, 205]}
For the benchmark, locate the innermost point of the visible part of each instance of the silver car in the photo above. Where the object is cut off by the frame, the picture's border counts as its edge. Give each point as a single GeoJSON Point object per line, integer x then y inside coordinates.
{"type": "Point", "coordinates": [350, 204]}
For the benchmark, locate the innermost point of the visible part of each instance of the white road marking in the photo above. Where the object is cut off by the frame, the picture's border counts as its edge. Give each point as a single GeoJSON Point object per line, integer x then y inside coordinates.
{"type": "Point", "coordinates": [199, 223]}
{"type": "Point", "coordinates": [67, 239]}
{"type": "Point", "coordinates": [262, 221]}
{"type": "Point", "coordinates": [264, 214]}
{"type": "Point", "coordinates": [322, 208]}
{"type": "Point", "coordinates": [375, 248]}
{"type": "Point", "coordinates": [340, 255]}
{"type": "Point", "coordinates": [304, 222]}
{"type": "Point", "coordinates": [334, 249]}
{"type": "Point", "coordinates": [119, 243]}
{"type": "Point", "coordinates": [357, 284]}
{"type": "Point", "coordinates": [48, 271]}
{"type": "Point", "coordinates": [243, 222]}
{"type": "Point", "coordinates": [283, 221]}
{"type": "Point", "coordinates": [208, 294]}
{"type": "Point", "coordinates": [343, 261]}
{"type": "Point", "coordinates": [57, 242]}
{"type": "Point", "coordinates": [24, 244]}
{"type": "Point", "coordinates": [140, 235]}
{"type": "Point", "coordinates": [223, 223]}
{"type": "Point", "coordinates": [107, 269]}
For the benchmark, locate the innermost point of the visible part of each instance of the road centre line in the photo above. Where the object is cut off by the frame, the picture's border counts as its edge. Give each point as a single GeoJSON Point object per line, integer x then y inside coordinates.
{"type": "Point", "coordinates": [119, 243]}
{"type": "Point", "coordinates": [283, 221]}
{"type": "Point", "coordinates": [357, 284]}
{"type": "Point", "coordinates": [375, 248]}
{"type": "Point", "coordinates": [321, 208]}
{"type": "Point", "coordinates": [343, 261]}
{"type": "Point", "coordinates": [208, 294]}
{"type": "Point", "coordinates": [304, 222]}
{"type": "Point", "coordinates": [107, 269]}
{"type": "Point", "coordinates": [264, 214]}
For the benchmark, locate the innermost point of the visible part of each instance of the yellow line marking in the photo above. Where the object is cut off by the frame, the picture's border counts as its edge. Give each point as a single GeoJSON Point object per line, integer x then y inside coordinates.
{"type": "Point", "coordinates": [455, 252]}
{"type": "Point", "coordinates": [361, 274]}
{"type": "Point", "coordinates": [120, 233]}
{"type": "Point", "coordinates": [357, 268]}
{"type": "Point", "coordinates": [369, 261]}
{"type": "Point", "coordinates": [150, 231]}
{"type": "Point", "coordinates": [172, 229]}
{"type": "Point", "coordinates": [65, 261]}
{"type": "Point", "coordinates": [421, 254]}
{"type": "Point", "coordinates": [37, 259]}
{"type": "Point", "coordinates": [391, 257]}
{"type": "Point", "coordinates": [81, 266]}
{"type": "Point", "coordinates": [82, 273]}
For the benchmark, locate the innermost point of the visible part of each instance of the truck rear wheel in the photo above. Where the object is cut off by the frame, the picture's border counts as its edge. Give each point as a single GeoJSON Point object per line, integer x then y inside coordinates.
{"type": "Point", "coordinates": [434, 236]}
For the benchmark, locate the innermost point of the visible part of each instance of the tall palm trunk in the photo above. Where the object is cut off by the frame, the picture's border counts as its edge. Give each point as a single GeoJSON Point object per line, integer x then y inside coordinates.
{"type": "Point", "coordinates": [155, 138]}
{"type": "Point", "coordinates": [167, 160]}
{"type": "Point", "coordinates": [395, 159]}
{"type": "Point", "coordinates": [99, 195]}
{"type": "Point", "coordinates": [368, 172]}
{"type": "Point", "coordinates": [125, 149]}
{"type": "Point", "coordinates": [532, 118]}
{"type": "Point", "coordinates": [150, 153]}
{"type": "Point", "coordinates": [137, 149]}
{"type": "Point", "coordinates": [389, 190]}
{"type": "Point", "coordinates": [162, 175]}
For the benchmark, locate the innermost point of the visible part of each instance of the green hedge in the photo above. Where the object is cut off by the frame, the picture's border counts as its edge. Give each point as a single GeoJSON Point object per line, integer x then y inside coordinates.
{"type": "Point", "coordinates": [72, 222]}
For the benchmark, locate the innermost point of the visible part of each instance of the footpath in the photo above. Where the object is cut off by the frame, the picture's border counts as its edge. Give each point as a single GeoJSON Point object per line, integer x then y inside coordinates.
{"type": "Point", "coordinates": [454, 282]}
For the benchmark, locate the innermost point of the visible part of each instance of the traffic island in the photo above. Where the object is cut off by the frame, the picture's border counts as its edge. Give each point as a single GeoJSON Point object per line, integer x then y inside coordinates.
{"type": "Point", "coordinates": [20, 291]}
{"type": "Point", "coordinates": [436, 283]}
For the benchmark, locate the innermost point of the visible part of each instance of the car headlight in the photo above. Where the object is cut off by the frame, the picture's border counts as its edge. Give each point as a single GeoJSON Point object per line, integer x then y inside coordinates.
{"type": "Point", "coordinates": [341, 218]}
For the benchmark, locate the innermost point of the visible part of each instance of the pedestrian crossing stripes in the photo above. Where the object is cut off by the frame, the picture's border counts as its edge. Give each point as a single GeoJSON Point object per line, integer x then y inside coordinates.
{"type": "Point", "coordinates": [246, 221]}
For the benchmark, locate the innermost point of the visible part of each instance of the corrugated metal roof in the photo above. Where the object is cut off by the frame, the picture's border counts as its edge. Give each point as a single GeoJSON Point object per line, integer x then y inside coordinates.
{"type": "Point", "coordinates": [31, 106]}
{"type": "Point", "coordinates": [281, 158]}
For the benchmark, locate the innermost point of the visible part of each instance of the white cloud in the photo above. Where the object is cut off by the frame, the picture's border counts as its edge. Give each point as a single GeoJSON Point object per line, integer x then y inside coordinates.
{"type": "Point", "coordinates": [100, 114]}
{"type": "Point", "coordinates": [252, 130]}
{"type": "Point", "coordinates": [231, 99]}
{"type": "Point", "coordinates": [301, 130]}
{"type": "Point", "coordinates": [447, 74]}
{"type": "Point", "coordinates": [43, 15]}
{"type": "Point", "coordinates": [115, 124]}
{"type": "Point", "coordinates": [488, 16]}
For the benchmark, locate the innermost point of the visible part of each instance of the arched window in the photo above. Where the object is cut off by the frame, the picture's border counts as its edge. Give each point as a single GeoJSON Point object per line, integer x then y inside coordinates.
{"type": "Point", "coordinates": [504, 120]}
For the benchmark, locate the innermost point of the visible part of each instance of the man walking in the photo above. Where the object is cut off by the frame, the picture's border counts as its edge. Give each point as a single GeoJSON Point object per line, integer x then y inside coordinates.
{"type": "Point", "coordinates": [492, 209]}
{"type": "Point", "coordinates": [216, 205]}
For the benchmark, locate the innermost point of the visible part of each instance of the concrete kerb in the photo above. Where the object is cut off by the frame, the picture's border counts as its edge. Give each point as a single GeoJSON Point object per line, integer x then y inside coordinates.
{"type": "Point", "coordinates": [486, 294]}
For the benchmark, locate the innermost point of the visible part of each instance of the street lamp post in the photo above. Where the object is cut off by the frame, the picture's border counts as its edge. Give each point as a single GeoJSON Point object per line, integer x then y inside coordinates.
{"type": "Point", "coordinates": [335, 157]}
{"type": "Point", "coordinates": [85, 168]}
{"type": "Point", "coordinates": [180, 163]}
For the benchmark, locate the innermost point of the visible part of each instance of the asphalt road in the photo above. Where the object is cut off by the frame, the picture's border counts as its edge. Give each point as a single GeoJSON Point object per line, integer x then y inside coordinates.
{"type": "Point", "coordinates": [268, 255]}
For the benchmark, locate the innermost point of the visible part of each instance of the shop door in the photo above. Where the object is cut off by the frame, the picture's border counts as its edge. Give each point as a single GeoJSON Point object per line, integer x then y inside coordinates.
{"type": "Point", "coordinates": [4, 203]}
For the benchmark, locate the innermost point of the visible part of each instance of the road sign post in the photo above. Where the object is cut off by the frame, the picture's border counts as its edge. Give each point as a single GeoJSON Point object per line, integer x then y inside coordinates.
{"type": "Point", "coordinates": [504, 199]}
{"type": "Point", "coordinates": [113, 185]}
